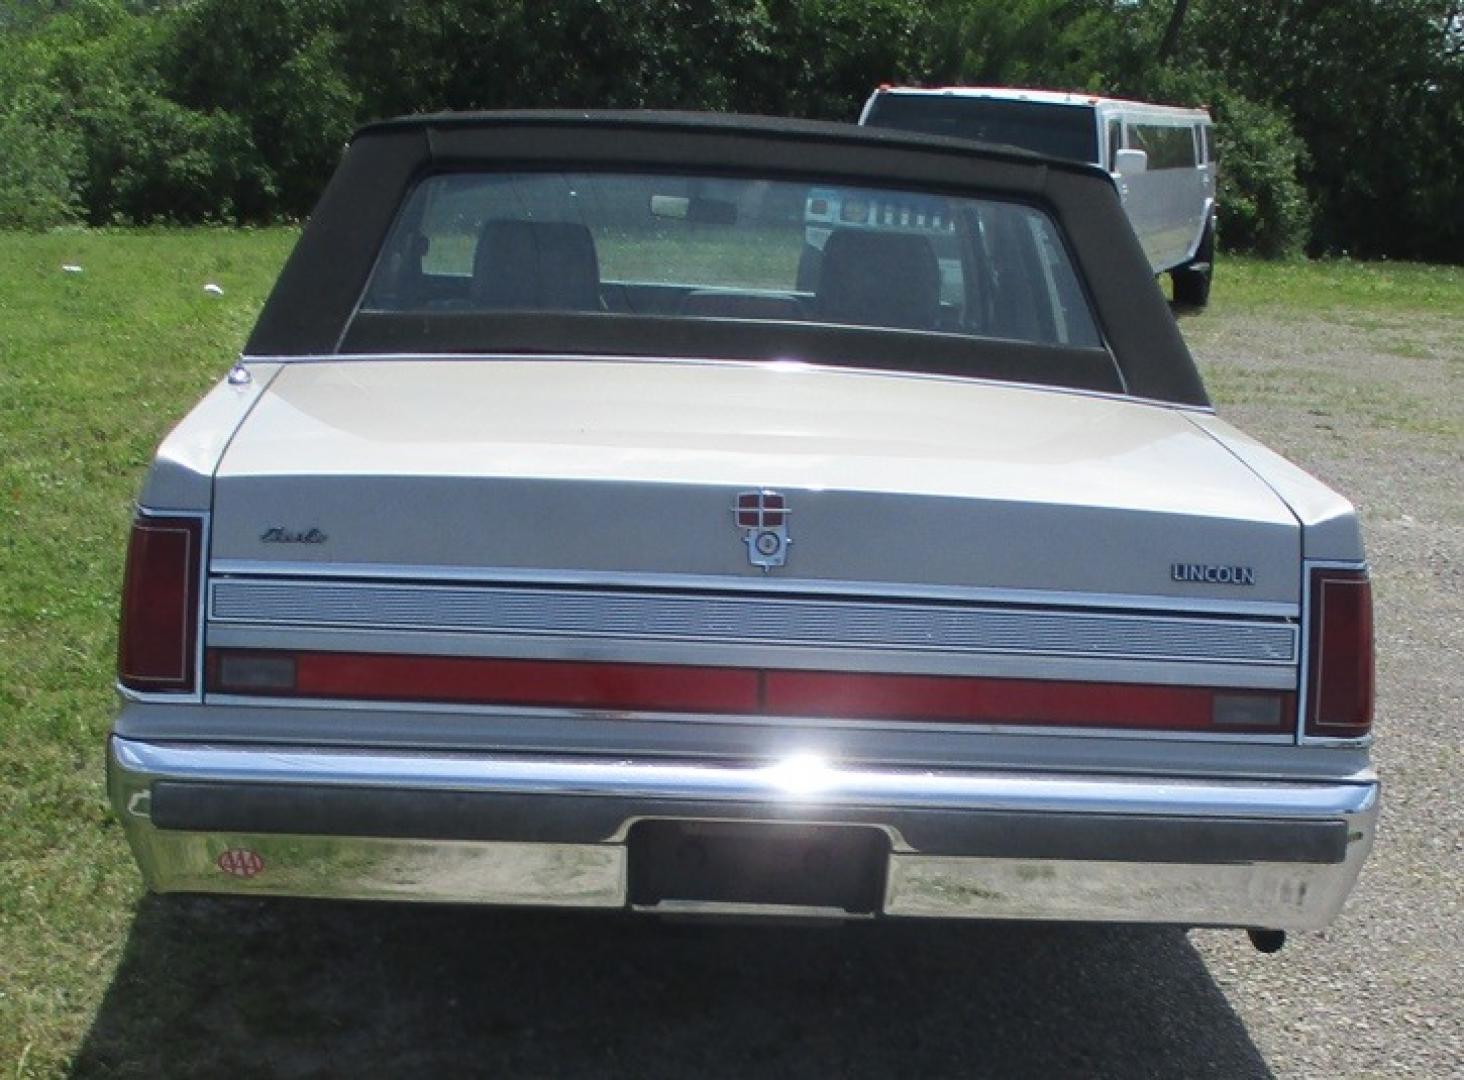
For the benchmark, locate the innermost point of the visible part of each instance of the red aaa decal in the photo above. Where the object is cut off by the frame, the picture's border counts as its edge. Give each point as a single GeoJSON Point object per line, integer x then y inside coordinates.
{"type": "Point", "coordinates": [241, 863]}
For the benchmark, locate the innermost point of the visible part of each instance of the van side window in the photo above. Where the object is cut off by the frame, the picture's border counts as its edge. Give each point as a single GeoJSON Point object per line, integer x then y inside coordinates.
{"type": "Point", "coordinates": [1115, 141]}
{"type": "Point", "coordinates": [1168, 147]}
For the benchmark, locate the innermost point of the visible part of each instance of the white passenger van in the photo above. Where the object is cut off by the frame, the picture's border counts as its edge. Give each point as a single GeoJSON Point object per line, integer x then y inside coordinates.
{"type": "Point", "coordinates": [1162, 158]}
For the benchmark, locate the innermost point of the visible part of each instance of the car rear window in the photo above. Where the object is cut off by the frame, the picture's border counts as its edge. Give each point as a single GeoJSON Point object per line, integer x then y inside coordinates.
{"type": "Point", "coordinates": [711, 247]}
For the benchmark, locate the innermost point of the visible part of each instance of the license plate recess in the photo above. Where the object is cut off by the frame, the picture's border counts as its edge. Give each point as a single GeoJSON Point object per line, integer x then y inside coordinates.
{"type": "Point", "coordinates": [839, 867]}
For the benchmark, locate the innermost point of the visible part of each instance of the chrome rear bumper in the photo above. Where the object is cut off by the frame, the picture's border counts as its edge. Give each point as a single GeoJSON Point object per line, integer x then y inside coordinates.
{"type": "Point", "coordinates": [555, 832]}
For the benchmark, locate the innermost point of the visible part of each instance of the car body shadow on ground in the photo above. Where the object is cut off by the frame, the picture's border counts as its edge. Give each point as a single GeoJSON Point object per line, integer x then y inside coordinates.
{"type": "Point", "coordinates": [290, 988]}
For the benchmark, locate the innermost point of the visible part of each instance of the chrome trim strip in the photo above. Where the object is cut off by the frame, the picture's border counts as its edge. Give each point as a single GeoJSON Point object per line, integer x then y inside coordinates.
{"type": "Point", "coordinates": [803, 780]}
{"type": "Point", "coordinates": [389, 572]}
{"type": "Point", "coordinates": [568, 577]}
{"type": "Point", "coordinates": [713, 361]}
{"type": "Point", "coordinates": [321, 725]}
{"type": "Point", "coordinates": [895, 727]}
{"type": "Point", "coordinates": [1336, 743]}
{"type": "Point", "coordinates": [693, 619]}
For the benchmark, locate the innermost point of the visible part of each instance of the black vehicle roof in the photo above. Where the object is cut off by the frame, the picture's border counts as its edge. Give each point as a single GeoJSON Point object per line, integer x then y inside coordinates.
{"type": "Point", "coordinates": [769, 127]}
{"type": "Point", "coordinates": [312, 309]}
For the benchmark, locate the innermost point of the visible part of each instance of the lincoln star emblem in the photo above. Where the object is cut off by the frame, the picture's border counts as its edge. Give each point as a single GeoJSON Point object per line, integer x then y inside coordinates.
{"type": "Point", "coordinates": [763, 518]}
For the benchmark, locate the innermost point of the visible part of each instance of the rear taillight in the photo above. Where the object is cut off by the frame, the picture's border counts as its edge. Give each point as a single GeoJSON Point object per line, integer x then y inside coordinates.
{"type": "Point", "coordinates": [1340, 681]}
{"type": "Point", "coordinates": [847, 695]}
{"type": "Point", "coordinates": [157, 645]}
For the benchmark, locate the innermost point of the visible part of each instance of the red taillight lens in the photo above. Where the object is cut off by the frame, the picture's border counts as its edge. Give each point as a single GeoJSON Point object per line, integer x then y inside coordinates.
{"type": "Point", "coordinates": [157, 644]}
{"type": "Point", "coordinates": [748, 691]}
{"type": "Point", "coordinates": [747, 511]}
{"type": "Point", "coordinates": [1340, 683]}
{"type": "Point", "coordinates": [775, 511]}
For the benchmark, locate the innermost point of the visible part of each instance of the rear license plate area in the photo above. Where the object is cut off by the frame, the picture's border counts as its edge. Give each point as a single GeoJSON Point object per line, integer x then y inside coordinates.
{"type": "Point", "coordinates": [825, 867]}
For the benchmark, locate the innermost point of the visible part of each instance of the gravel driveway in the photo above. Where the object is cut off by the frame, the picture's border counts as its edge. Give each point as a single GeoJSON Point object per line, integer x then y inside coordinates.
{"type": "Point", "coordinates": [215, 986]}
{"type": "Point", "coordinates": [1375, 408]}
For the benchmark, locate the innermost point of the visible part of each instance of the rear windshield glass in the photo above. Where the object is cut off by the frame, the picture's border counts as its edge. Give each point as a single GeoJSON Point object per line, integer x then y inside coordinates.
{"type": "Point", "coordinates": [1061, 131]}
{"type": "Point", "coordinates": [717, 248]}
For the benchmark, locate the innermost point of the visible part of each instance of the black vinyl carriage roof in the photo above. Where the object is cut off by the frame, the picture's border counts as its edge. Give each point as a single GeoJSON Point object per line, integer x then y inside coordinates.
{"type": "Point", "coordinates": [312, 309]}
{"type": "Point", "coordinates": [768, 127]}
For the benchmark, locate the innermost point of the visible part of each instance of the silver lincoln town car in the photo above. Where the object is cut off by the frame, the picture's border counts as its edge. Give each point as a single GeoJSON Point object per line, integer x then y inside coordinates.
{"type": "Point", "coordinates": [549, 545]}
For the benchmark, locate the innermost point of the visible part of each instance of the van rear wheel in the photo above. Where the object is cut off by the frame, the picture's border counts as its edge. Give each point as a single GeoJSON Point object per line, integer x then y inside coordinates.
{"type": "Point", "coordinates": [1192, 280]}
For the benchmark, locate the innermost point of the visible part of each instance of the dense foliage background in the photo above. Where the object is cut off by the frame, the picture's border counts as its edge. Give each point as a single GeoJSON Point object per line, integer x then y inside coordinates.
{"type": "Point", "coordinates": [1342, 121]}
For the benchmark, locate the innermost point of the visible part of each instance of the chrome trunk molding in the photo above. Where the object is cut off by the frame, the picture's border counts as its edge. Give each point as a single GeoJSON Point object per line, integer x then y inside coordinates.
{"type": "Point", "coordinates": [228, 568]}
{"type": "Point", "coordinates": [748, 619]}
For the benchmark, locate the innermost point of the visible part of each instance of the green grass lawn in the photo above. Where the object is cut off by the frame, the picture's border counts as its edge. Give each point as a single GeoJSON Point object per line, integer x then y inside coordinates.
{"type": "Point", "coordinates": [94, 367]}
{"type": "Point", "coordinates": [1358, 289]}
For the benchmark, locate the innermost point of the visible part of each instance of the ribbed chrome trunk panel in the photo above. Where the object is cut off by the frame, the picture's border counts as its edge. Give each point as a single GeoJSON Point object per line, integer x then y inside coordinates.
{"type": "Point", "coordinates": [722, 619]}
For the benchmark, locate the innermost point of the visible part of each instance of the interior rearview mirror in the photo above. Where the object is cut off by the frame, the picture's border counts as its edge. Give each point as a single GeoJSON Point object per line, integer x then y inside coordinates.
{"type": "Point", "coordinates": [694, 208]}
{"type": "Point", "coordinates": [670, 206]}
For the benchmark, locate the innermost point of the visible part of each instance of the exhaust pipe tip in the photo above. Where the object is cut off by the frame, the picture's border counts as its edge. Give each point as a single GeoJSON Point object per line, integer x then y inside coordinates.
{"type": "Point", "coordinates": [1267, 941]}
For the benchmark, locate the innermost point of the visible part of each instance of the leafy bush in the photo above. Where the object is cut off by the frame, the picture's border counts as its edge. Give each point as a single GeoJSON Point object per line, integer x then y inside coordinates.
{"type": "Point", "coordinates": [216, 109]}
{"type": "Point", "coordinates": [151, 159]}
{"type": "Point", "coordinates": [268, 76]}
{"type": "Point", "coordinates": [1263, 205]}
{"type": "Point", "coordinates": [38, 165]}
{"type": "Point", "coordinates": [1375, 90]}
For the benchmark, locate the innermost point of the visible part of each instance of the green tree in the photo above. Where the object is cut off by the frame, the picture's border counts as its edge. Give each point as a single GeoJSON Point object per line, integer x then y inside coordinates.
{"type": "Point", "coordinates": [40, 162]}
{"type": "Point", "coordinates": [478, 54]}
{"type": "Point", "coordinates": [193, 109]}
{"type": "Point", "coordinates": [128, 151]}
{"type": "Point", "coordinates": [273, 68]}
{"type": "Point", "coordinates": [828, 55]}
{"type": "Point", "coordinates": [1263, 206]}
{"type": "Point", "coordinates": [1376, 90]}
{"type": "Point", "coordinates": [1053, 44]}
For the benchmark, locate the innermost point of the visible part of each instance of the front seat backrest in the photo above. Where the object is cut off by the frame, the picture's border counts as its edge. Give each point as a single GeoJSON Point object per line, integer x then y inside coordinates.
{"type": "Point", "coordinates": [879, 279]}
{"type": "Point", "coordinates": [536, 266]}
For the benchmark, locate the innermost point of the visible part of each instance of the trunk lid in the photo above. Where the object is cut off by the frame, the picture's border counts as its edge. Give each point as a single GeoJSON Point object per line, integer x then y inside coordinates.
{"type": "Point", "coordinates": [571, 467]}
